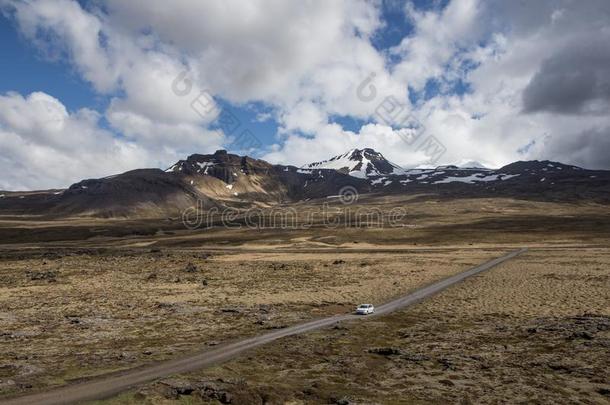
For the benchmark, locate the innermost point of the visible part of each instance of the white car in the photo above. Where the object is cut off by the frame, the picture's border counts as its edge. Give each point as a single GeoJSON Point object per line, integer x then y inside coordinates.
{"type": "Point", "coordinates": [365, 309]}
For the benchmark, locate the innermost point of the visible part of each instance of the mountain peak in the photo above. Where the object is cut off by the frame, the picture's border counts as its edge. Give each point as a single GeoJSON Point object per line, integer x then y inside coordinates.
{"type": "Point", "coordinates": [361, 163]}
{"type": "Point", "coordinates": [221, 164]}
{"type": "Point", "coordinates": [363, 151]}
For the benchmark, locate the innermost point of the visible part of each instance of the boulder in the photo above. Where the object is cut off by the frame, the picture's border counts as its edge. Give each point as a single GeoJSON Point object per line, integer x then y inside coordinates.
{"type": "Point", "coordinates": [385, 351]}
{"type": "Point", "coordinates": [190, 268]}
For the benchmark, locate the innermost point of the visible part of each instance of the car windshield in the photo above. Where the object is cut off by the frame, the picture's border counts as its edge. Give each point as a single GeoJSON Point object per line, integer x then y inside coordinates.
{"type": "Point", "coordinates": [364, 306]}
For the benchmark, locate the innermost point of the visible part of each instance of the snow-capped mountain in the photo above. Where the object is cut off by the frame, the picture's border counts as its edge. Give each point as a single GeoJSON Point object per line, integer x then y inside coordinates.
{"type": "Point", "coordinates": [530, 179]}
{"type": "Point", "coordinates": [360, 163]}
{"type": "Point", "coordinates": [222, 179]}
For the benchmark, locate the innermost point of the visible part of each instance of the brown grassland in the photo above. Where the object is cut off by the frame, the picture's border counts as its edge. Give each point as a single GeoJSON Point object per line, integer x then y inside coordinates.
{"type": "Point", "coordinates": [84, 297]}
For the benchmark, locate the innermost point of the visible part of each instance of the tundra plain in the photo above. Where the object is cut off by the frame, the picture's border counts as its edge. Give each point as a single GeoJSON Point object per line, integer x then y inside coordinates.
{"type": "Point", "coordinates": [84, 297]}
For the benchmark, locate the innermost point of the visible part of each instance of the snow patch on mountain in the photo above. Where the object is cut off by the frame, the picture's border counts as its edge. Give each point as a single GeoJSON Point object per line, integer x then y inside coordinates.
{"type": "Point", "coordinates": [204, 166]}
{"type": "Point", "coordinates": [475, 178]}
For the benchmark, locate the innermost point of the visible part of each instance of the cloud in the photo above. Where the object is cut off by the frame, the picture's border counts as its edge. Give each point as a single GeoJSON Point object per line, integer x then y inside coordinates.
{"type": "Point", "coordinates": [588, 148]}
{"type": "Point", "coordinates": [279, 53]}
{"type": "Point", "coordinates": [265, 50]}
{"type": "Point", "coordinates": [573, 80]}
{"type": "Point", "coordinates": [439, 36]}
{"type": "Point", "coordinates": [179, 139]}
{"type": "Point", "coordinates": [43, 145]}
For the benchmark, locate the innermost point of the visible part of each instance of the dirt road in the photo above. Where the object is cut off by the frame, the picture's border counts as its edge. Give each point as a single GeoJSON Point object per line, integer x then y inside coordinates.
{"type": "Point", "coordinates": [109, 385]}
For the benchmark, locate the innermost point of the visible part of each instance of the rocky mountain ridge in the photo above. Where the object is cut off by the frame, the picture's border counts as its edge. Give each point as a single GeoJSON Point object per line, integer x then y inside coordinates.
{"type": "Point", "coordinates": [223, 179]}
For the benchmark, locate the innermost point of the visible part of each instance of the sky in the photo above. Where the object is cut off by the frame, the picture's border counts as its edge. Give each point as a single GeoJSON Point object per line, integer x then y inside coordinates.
{"type": "Point", "coordinates": [94, 88]}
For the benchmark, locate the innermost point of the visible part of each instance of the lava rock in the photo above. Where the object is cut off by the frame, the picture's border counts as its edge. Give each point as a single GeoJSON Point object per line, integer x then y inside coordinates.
{"type": "Point", "coordinates": [604, 391]}
{"type": "Point", "coordinates": [190, 268]}
{"type": "Point", "coordinates": [48, 275]}
{"type": "Point", "coordinates": [175, 388]}
{"type": "Point", "coordinates": [582, 335]}
{"type": "Point", "coordinates": [385, 351]}
{"type": "Point", "coordinates": [210, 390]}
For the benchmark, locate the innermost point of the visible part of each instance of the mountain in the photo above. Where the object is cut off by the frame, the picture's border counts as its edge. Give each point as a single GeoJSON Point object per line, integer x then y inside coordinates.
{"type": "Point", "coordinates": [240, 180]}
{"type": "Point", "coordinates": [231, 178]}
{"type": "Point", "coordinates": [137, 193]}
{"type": "Point", "coordinates": [539, 180]}
{"type": "Point", "coordinates": [220, 180]}
{"type": "Point", "coordinates": [221, 165]}
{"type": "Point", "coordinates": [361, 163]}
{"type": "Point", "coordinates": [224, 180]}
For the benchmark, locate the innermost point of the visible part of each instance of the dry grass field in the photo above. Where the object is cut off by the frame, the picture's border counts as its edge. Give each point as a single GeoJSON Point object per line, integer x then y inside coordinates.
{"type": "Point", "coordinates": [533, 330]}
{"type": "Point", "coordinates": [84, 297]}
{"type": "Point", "coordinates": [65, 317]}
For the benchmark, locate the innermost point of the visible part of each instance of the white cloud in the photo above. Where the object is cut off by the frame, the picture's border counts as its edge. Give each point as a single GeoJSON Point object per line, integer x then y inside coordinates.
{"type": "Point", "coordinates": [262, 50]}
{"type": "Point", "coordinates": [439, 37]}
{"type": "Point", "coordinates": [281, 53]}
{"type": "Point", "coordinates": [43, 145]}
{"type": "Point", "coordinates": [179, 139]}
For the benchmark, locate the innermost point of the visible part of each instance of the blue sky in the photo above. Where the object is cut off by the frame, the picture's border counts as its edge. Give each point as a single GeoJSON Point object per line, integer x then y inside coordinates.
{"type": "Point", "coordinates": [86, 87]}
{"type": "Point", "coordinates": [24, 69]}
